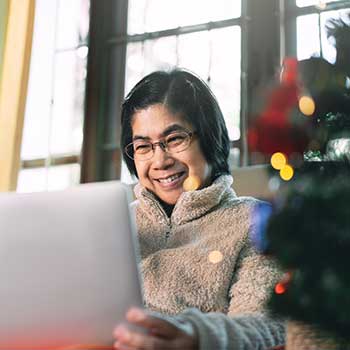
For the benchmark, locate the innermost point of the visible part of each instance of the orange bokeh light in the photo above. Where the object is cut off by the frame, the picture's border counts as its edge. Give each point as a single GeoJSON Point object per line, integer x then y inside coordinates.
{"type": "Point", "coordinates": [280, 288]}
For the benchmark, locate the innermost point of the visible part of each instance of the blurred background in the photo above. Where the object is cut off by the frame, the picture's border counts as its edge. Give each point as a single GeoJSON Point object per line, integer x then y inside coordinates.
{"type": "Point", "coordinates": [77, 59]}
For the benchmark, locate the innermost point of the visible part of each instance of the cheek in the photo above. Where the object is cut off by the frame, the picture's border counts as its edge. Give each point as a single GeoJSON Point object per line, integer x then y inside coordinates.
{"type": "Point", "coordinates": [199, 166]}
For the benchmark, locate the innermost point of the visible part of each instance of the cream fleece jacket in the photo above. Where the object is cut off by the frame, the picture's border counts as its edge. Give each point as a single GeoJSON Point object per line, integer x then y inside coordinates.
{"type": "Point", "coordinates": [199, 265]}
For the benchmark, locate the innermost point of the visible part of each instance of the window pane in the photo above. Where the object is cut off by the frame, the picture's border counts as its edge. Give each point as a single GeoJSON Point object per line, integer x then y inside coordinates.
{"type": "Point", "coordinates": [32, 180]}
{"type": "Point", "coordinates": [135, 65]}
{"type": "Point", "coordinates": [319, 3]}
{"type": "Point", "coordinates": [215, 55]}
{"type": "Point", "coordinates": [310, 31]}
{"type": "Point", "coordinates": [73, 23]}
{"type": "Point", "coordinates": [53, 178]}
{"type": "Point", "coordinates": [145, 57]}
{"type": "Point", "coordinates": [328, 50]}
{"type": "Point", "coordinates": [225, 75]}
{"type": "Point", "coordinates": [159, 54]}
{"type": "Point", "coordinates": [308, 36]}
{"type": "Point", "coordinates": [63, 176]}
{"type": "Point", "coordinates": [56, 86]}
{"type": "Point", "coordinates": [68, 102]}
{"type": "Point", "coordinates": [154, 15]}
{"type": "Point", "coordinates": [136, 16]}
{"type": "Point", "coordinates": [38, 103]}
{"type": "Point", "coordinates": [194, 53]}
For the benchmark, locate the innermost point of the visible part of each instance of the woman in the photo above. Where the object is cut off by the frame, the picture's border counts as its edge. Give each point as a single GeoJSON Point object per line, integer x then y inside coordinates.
{"type": "Point", "coordinates": [199, 270]}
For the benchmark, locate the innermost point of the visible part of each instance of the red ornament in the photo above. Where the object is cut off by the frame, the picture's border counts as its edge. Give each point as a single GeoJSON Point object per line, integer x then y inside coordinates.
{"type": "Point", "coordinates": [289, 74]}
{"type": "Point", "coordinates": [274, 130]}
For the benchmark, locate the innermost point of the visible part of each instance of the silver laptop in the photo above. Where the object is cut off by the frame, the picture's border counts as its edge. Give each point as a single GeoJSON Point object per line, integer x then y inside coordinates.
{"type": "Point", "coordinates": [68, 269]}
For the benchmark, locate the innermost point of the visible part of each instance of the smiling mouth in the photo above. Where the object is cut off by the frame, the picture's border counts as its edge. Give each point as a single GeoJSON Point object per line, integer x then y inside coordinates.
{"type": "Point", "coordinates": [170, 179]}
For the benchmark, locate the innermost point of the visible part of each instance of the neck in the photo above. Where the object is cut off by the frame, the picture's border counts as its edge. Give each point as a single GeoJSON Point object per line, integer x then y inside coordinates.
{"type": "Point", "coordinates": [168, 208]}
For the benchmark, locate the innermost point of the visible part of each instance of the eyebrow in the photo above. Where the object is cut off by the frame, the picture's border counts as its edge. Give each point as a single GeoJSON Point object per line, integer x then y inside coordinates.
{"type": "Point", "coordinates": [170, 129]}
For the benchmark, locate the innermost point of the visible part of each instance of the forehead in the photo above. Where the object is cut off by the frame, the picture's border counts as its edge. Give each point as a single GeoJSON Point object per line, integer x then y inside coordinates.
{"type": "Point", "coordinates": [153, 120]}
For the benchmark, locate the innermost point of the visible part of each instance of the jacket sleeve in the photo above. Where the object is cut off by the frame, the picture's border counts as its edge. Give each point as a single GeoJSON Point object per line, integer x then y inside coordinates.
{"type": "Point", "coordinates": [217, 331]}
{"type": "Point", "coordinates": [246, 326]}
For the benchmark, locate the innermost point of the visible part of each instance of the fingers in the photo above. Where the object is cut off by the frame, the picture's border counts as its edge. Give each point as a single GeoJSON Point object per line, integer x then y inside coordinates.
{"type": "Point", "coordinates": [159, 335]}
{"type": "Point", "coordinates": [153, 324]}
{"type": "Point", "coordinates": [130, 340]}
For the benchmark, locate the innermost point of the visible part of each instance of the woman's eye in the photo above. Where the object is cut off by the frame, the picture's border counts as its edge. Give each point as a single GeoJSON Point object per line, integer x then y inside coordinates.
{"type": "Point", "coordinates": [142, 147]}
{"type": "Point", "coordinates": [175, 139]}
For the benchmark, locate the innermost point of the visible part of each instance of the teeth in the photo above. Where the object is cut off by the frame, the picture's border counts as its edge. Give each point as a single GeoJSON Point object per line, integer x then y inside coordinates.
{"type": "Point", "coordinates": [169, 179]}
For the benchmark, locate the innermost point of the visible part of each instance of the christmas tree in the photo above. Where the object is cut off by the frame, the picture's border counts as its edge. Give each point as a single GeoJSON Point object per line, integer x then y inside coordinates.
{"type": "Point", "coordinates": [309, 234]}
{"type": "Point", "coordinates": [308, 226]}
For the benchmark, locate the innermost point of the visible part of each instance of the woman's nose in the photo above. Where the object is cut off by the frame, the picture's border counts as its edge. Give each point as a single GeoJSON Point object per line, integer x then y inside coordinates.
{"type": "Point", "coordinates": [161, 158]}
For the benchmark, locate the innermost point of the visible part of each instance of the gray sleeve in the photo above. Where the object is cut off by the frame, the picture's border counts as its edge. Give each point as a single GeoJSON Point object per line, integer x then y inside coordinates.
{"type": "Point", "coordinates": [218, 331]}
{"type": "Point", "coordinates": [221, 332]}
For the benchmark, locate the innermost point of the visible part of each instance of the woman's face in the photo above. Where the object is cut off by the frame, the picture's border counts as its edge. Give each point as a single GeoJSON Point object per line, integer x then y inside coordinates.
{"type": "Point", "coordinates": [165, 172]}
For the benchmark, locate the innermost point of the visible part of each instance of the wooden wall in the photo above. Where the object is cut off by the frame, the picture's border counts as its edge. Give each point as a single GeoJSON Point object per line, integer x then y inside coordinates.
{"type": "Point", "coordinates": [16, 33]}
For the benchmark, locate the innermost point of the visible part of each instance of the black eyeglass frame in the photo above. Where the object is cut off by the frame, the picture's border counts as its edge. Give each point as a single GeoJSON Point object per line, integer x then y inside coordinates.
{"type": "Point", "coordinates": [161, 144]}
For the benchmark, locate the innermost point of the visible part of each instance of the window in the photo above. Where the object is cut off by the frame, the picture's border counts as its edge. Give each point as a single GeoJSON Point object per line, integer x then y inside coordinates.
{"type": "Point", "coordinates": [315, 42]}
{"type": "Point", "coordinates": [53, 126]}
{"type": "Point", "coordinates": [236, 46]}
{"type": "Point", "coordinates": [309, 18]}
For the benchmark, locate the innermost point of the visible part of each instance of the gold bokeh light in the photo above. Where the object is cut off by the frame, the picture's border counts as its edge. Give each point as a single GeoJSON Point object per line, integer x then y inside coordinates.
{"type": "Point", "coordinates": [278, 160]}
{"type": "Point", "coordinates": [287, 172]}
{"type": "Point", "coordinates": [307, 105]}
{"type": "Point", "coordinates": [192, 183]}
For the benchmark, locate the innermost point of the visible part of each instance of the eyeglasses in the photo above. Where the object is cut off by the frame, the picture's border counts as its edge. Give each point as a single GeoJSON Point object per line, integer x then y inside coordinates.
{"type": "Point", "coordinates": [173, 143]}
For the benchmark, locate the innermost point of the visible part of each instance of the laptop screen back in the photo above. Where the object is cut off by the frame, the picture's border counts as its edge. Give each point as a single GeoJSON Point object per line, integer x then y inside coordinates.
{"type": "Point", "coordinates": [68, 267]}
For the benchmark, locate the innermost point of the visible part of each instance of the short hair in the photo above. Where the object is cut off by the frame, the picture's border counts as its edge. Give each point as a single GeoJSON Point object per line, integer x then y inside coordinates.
{"type": "Point", "coordinates": [181, 92]}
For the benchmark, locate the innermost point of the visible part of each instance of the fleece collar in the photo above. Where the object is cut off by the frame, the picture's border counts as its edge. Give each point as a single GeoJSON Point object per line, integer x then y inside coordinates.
{"type": "Point", "coordinates": [191, 205]}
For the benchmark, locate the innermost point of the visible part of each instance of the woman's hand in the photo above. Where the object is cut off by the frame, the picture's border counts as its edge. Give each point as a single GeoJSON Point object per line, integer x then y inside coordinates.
{"type": "Point", "coordinates": [159, 334]}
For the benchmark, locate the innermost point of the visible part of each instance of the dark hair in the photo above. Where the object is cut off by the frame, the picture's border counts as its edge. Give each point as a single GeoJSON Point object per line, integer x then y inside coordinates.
{"type": "Point", "coordinates": [181, 92]}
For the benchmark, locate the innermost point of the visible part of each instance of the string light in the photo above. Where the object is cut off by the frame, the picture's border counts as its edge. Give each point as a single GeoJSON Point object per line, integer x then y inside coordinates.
{"type": "Point", "coordinates": [307, 105]}
{"type": "Point", "coordinates": [287, 172]}
{"type": "Point", "coordinates": [278, 160]}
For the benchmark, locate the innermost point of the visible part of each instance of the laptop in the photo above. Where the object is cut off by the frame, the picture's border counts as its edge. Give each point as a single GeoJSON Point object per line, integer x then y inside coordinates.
{"type": "Point", "coordinates": [67, 266]}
